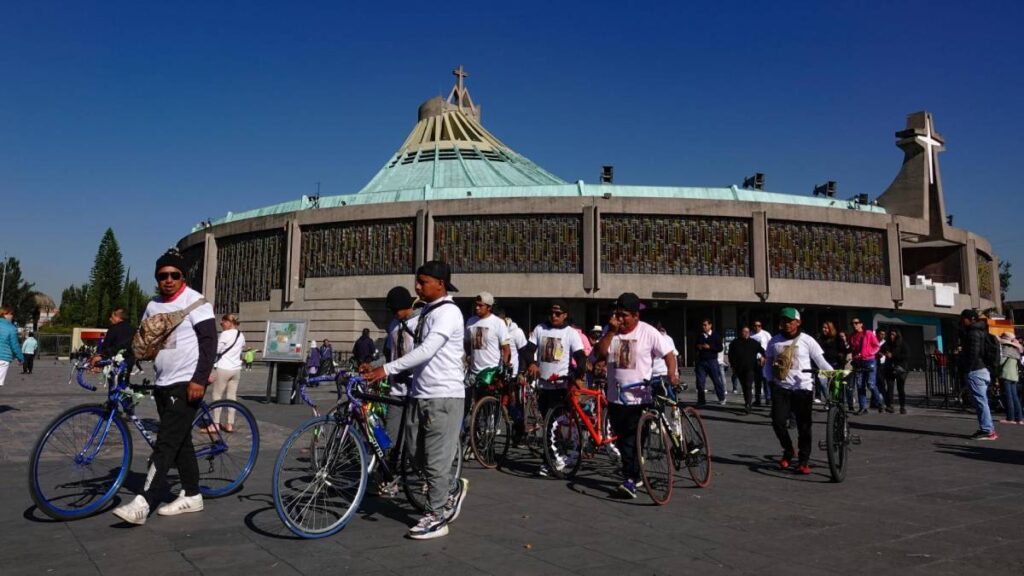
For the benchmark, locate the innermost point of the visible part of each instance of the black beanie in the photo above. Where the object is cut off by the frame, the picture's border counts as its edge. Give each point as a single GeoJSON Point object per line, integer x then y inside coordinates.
{"type": "Point", "coordinates": [171, 258]}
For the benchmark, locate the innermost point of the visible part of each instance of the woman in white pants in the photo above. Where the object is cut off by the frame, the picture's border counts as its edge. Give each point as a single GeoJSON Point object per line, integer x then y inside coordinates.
{"type": "Point", "coordinates": [227, 367]}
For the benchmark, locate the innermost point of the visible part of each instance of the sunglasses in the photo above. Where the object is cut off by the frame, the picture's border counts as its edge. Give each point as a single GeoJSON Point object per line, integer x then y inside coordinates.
{"type": "Point", "coordinates": [855, 322]}
{"type": "Point", "coordinates": [165, 275]}
{"type": "Point", "coordinates": [558, 313]}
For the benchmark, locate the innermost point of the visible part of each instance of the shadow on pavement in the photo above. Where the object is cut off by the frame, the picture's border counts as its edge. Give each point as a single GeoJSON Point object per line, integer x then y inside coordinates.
{"type": "Point", "coordinates": [768, 465]}
{"type": "Point", "coordinates": [6, 408]}
{"type": "Point", "coordinates": [861, 425]}
{"type": "Point", "coordinates": [986, 453]}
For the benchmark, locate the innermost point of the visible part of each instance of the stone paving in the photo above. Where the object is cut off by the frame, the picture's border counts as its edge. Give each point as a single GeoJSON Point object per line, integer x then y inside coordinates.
{"type": "Point", "coordinates": [919, 498]}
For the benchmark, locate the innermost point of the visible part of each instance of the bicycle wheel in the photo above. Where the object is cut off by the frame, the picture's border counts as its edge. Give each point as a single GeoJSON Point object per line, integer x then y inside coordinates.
{"type": "Point", "coordinates": [489, 432]}
{"type": "Point", "coordinates": [79, 462]}
{"type": "Point", "coordinates": [653, 453]}
{"type": "Point", "coordinates": [415, 484]}
{"type": "Point", "coordinates": [698, 449]}
{"type": "Point", "coordinates": [225, 458]}
{"type": "Point", "coordinates": [563, 442]}
{"type": "Point", "coordinates": [837, 445]}
{"type": "Point", "coordinates": [316, 493]}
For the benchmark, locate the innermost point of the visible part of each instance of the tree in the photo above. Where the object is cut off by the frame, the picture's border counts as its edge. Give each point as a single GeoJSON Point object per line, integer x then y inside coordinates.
{"type": "Point", "coordinates": [133, 300]}
{"type": "Point", "coordinates": [17, 293]}
{"type": "Point", "coordinates": [72, 306]}
{"type": "Point", "coordinates": [1004, 281]}
{"type": "Point", "coordinates": [106, 280]}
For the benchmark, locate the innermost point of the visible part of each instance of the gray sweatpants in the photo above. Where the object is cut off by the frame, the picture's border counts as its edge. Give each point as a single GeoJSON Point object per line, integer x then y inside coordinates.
{"type": "Point", "coordinates": [432, 428]}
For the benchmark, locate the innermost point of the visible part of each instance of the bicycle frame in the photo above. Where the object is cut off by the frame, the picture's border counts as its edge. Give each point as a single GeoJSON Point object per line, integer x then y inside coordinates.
{"type": "Point", "coordinates": [600, 404]}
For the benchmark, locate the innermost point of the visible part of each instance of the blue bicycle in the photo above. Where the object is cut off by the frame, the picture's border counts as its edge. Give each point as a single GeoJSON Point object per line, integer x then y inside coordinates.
{"type": "Point", "coordinates": [83, 457]}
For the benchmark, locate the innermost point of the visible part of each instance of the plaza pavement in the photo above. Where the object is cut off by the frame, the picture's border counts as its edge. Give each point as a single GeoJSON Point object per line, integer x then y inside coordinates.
{"type": "Point", "coordinates": [920, 498]}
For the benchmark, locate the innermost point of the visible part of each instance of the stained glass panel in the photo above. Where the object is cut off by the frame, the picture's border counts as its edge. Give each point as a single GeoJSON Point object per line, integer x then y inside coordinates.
{"type": "Point", "coordinates": [650, 244]}
{"type": "Point", "coordinates": [985, 288]}
{"type": "Point", "coordinates": [803, 251]}
{"type": "Point", "coordinates": [544, 243]}
{"type": "Point", "coordinates": [249, 266]}
{"type": "Point", "coordinates": [358, 249]}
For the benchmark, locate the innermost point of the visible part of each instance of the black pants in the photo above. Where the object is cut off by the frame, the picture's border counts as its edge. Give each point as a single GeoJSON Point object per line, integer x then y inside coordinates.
{"type": "Point", "coordinates": [30, 359]}
{"type": "Point", "coordinates": [746, 378]}
{"type": "Point", "coordinates": [548, 399]}
{"type": "Point", "coordinates": [799, 402]}
{"type": "Point", "coordinates": [759, 383]}
{"type": "Point", "coordinates": [173, 442]}
{"type": "Point", "coordinates": [899, 382]}
{"type": "Point", "coordinates": [624, 419]}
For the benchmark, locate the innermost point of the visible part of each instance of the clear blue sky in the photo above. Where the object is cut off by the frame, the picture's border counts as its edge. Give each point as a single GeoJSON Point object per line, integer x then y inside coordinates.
{"type": "Point", "coordinates": [149, 117]}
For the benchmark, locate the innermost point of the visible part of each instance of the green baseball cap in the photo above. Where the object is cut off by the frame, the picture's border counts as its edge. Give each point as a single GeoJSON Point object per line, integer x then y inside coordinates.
{"type": "Point", "coordinates": [790, 314]}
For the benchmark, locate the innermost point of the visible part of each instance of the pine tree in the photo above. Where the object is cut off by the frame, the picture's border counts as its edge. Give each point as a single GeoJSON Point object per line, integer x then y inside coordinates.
{"type": "Point", "coordinates": [72, 306]}
{"type": "Point", "coordinates": [106, 280]}
{"type": "Point", "coordinates": [17, 293]}
{"type": "Point", "coordinates": [133, 300]}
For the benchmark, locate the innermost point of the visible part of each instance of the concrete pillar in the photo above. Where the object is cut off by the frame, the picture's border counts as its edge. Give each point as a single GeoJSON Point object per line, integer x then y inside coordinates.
{"type": "Point", "coordinates": [210, 268]}
{"type": "Point", "coordinates": [428, 236]}
{"type": "Point", "coordinates": [895, 254]}
{"type": "Point", "coordinates": [293, 261]}
{"type": "Point", "coordinates": [759, 247]}
{"type": "Point", "coordinates": [421, 238]}
{"type": "Point", "coordinates": [590, 248]}
{"type": "Point", "coordinates": [971, 264]}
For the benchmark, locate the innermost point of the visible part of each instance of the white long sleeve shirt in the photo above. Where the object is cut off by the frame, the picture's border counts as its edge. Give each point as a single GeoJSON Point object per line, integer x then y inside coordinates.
{"type": "Point", "coordinates": [807, 349]}
{"type": "Point", "coordinates": [436, 363]}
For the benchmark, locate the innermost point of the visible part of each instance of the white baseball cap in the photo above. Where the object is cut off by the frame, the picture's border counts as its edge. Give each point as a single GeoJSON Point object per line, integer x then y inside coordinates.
{"type": "Point", "coordinates": [485, 298]}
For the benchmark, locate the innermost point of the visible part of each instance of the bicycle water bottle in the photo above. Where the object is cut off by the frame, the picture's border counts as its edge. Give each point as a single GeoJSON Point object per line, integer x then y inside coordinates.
{"type": "Point", "coordinates": [379, 432]}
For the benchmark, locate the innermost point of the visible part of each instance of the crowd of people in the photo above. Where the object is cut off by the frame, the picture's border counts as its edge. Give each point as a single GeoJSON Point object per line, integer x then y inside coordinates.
{"type": "Point", "coordinates": [432, 355]}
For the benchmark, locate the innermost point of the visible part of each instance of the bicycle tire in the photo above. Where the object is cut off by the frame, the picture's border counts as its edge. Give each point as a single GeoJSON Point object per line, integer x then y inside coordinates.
{"type": "Point", "coordinates": [225, 459]}
{"type": "Point", "coordinates": [837, 445]}
{"type": "Point", "coordinates": [698, 448]}
{"type": "Point", "coordinates": [563, 441]}
{"type": "Point", "coordinates": [653, 453]}
{"type": "Point", "coordinates": [414, 483]}
{"type": "Point", "coordinates": [334, 486]}
{"type": "Point", "coordinates": [533, 425]}
{"type": "Point", "coordinates": [61, 444]}
{"type": "Point", "coordinates": [489, 432]}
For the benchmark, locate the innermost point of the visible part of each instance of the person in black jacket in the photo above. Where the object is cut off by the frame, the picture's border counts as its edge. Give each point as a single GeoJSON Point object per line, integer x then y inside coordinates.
{"type": "Point", "coordinates": [117, 339]}
{"type": "Point", "coordinates": [896, 353]}
{"type": "Point", "coordinates": [709, 345]}
{"type": "Point", "coordinates": [744, 359]}
{"type": "Point", "coordinates": [834, 349]}
{"type": "Point", "coordinates": [973, 331]}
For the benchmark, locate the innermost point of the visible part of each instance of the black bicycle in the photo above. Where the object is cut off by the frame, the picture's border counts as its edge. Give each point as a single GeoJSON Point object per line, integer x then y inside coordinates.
{"type": "Point", "coordinates": [838, 437]}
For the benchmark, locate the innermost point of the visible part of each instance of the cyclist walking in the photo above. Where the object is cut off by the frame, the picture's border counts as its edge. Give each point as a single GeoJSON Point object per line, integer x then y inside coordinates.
{"type": "Point", "coordinates": [556, 343]}
{"type": "Point", "coordinates": [182, 370]}
{"type": "Point", "coordinates": [629, 347]}
{"type": "Point", "coordinates": [486, 342]}
{"type": "Point", "coordinates": [789, 353]}
{"type": "Point", "coordinates": [434, 415]}
{"type": "Point", "coordinates": [398, 343]}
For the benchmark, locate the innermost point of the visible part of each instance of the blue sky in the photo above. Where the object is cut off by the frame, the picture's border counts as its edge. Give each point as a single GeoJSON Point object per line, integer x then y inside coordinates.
{"type": "Point", "coordinates": [149, 117]}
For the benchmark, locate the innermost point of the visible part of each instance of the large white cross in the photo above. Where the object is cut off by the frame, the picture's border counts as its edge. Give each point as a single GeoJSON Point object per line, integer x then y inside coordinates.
{"type": "Point", "coordinates": [929, 142]}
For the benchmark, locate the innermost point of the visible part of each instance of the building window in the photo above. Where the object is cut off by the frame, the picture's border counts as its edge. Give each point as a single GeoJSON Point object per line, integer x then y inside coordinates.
{"type": "Point", "coordinates": [985, 286]}
{"type": "Point", "coordinates": [194, 256]}
{"type": "Point", "coordinates": [249, 266]}
{"type": "Point", "coordinates": [542, 243]}
{"type": "Point", "coordinates": [825, 252]}
{"type": "Point", "coordinates": [358, 249]}
{"type": "Point", "coordinates": [686, 245]}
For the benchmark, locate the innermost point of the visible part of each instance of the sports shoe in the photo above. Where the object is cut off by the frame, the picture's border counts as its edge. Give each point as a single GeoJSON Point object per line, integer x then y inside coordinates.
{"type": "Point", "coordinates": [903, 410]}
{"type": "Point", "coordinates": [431, 525]}
{"type": "Point", "coordinates": [978, 435]}
{"type": "Point", "coordinates": [784, 461]}
{"type": "Point", "coordinates": [181, 505]}
{"type": "Point", "coordinates": [134, 512]}
{"type": "Point", "coordinates": [990, 436]}
{"type": "Point", "coordinates": [723, 402]}
{"type": "Point", "coordinates": [613, 452]}
{"type": "Point", "coordinates": [628, 488]}
{"type": "Point", "coordinates": [453, 507]}
{"type": "Point", "coordinates": [804, 469]}
{"type": "Point", "coordinates": [817, 400]}
{"type": "Point", "coordinates": [543, 471]}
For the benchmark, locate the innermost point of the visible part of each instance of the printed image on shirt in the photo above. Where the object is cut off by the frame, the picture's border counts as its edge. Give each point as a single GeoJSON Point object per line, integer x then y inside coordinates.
{"type": "Point", "coordinates": [552, 350]}
{"type": "Point", "coordinates": [626, 357]}
{"type": "Point", "coordinates": [479, 337]}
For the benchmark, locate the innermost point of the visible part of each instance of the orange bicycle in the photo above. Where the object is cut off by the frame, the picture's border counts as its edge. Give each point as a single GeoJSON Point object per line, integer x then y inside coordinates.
{"type": "Point", "coordinates": [574, 430]}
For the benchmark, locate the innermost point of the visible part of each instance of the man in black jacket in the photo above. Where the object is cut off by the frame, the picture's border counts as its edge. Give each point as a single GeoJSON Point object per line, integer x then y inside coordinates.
{"type": "Point", "coordinates": [117, 339]}
{"type": "Point", "coordinates": [744, 355]}
{"type": "Point", "coordinates": [973, 331]}
{"type": "Point", "coordinates": [709, 345]}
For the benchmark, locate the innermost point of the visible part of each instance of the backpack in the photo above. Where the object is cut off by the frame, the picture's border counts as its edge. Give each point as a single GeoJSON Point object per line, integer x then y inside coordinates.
{"type": "Point", "coordinates": [991, 353]}
{"type": "Point", "coordinates": [152, 334]}
{"type": "Point", "coordinates": [783, 363]}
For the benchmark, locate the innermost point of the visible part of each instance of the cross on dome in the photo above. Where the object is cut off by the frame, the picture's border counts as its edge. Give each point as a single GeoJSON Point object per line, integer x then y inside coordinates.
{"type": "Point", "coordinates": [459, 93]}
{"type": "Point", "coordinates": [930, 143]}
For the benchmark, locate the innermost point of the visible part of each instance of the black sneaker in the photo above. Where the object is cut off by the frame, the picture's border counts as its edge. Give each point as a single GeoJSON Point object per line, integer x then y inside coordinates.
{"type": "Point", "coordinates": [979, 435]}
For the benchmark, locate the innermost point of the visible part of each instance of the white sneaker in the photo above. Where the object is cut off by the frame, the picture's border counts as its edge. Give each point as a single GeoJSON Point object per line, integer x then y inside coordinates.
{"type": "Point", "coordinates": [430, 526]}
{"type": "Point", "coordinates": [181, 505]}
{"type": "Point", "coordinates": [817, 400]}
{"type": "Point", "coordinates": [134, 512]}
{"type": "Point", "coordinates": [613, 452]}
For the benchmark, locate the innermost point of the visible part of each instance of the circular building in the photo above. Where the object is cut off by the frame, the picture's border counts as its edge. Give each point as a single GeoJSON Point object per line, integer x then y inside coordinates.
{"type": "Point", "coordinates": [454, 191]}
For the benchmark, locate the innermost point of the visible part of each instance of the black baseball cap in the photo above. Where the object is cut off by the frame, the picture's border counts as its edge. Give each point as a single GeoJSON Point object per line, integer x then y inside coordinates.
{"type": "Point", "coordinates": [440, 270]}
{"type": "Point", "coordinates": [559, 304]}
{"type": "Point", "coordinates": [629, 302]}
{"type": "Point", "coordinates": [398, 299]}
{"type": "Point", "coordinates": [969, 313]}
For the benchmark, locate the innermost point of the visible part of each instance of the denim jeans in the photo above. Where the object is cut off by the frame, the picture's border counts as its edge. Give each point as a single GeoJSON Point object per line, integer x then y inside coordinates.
{"type": "Point", "coordinates": [977, 381]}
{"type": "Point", "coordinates": [1011, 395]}
{"type": "Point", "coordinates": [866, 380]}
{"type": "Point", "coordinates": [712, 368]}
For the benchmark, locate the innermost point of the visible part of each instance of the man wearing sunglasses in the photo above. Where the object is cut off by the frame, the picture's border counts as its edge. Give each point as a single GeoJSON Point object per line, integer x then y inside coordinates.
{"type": "Point", "coordinates": [556, 342]}
{"type": "Point", "coordinates": [629, 347]}
{"type": "Point", "coordinates": [182, 370]}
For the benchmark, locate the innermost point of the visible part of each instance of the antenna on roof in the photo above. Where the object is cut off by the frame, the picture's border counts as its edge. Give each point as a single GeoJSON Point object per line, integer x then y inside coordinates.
{"type": "Point", "coordinates": [607, 174]}
{"type": "Point", "coordinates": [755, 182]}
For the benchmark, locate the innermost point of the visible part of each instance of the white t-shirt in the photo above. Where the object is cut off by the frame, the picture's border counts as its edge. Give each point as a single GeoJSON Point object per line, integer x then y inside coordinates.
{"type": "Point", "coordinates": [631, 361]}
{"type": "Point", "coordinates": [660, 367]}
{"type": "Point", "coordinates": [436, 363]}
{"type": "Point", "coordinates": [395, 334]}
{"type": "Point", "coordinates": [230, 351]}
{"type": "Point", "coordinates": [762, 337]}
{"type": "Point", "coordinates": [486, 336]}
{"type": "Point", "coordinates": [177, 362]}
{"type": "Point", "coordinates": [555, 347]}
{"type": "Point", "coordinates": [516, 340]}
{"type": "Point", "coordinates": [807, 349]}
